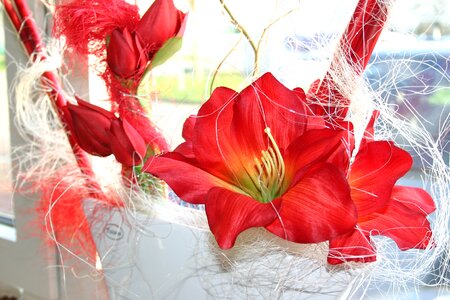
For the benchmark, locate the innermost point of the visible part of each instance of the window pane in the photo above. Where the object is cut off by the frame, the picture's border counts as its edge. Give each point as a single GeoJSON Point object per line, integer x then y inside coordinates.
{"type": "Point", "coordinates": [6, 209]}
{"type": "Point", "coordinates": [411, 67]}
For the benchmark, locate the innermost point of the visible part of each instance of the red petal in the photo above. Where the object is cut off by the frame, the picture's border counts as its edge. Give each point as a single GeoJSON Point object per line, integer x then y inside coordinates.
{"type": "Point", "coordinates": [405, 224]}
{"type": "Point", "coordinates": [121, 145]}
{"type": "Point", "coordinates": [159, 23]}
{"type": "Point", "coordinates": [185, 149]}
{"type": "Point", "coordinates": [268, 103]}
{"type": "Point", "coordinates": [317, 208]}
{"type": "Point", "coordinates": [141, 56]}
{"type": "Point", "coordinates": [416, 199]}
{"type": "Point", "coordinates": [182, 20]}
{"type": "Point", "coordinates": [136, 140]}
{"type": "Point", "coordinates": [213, 145]}
{"type": "Point", "coordinates": [340, 158]}
{"type": "Point", "coordinates": [121, 56]}
{"type": "Point", "coordinates": [131, 111]}
{"type": "Point", "coordinates": [188, 128]}
{"type": "Point", "coordinates": [189, 182]}
{"type": "Point", "coordinates": [300, 94]}
{"type": "Point", "coordinates": [318, 145]}
{"type": "Point", "coordinates": [90, 129]}
{"type": "Point", "coordinates": [370, 129]}
{"type": "Point", "coordinates": [315, 119]}
{"type": "Point", "coordinates": [353, 246]}
{"type": "Point", "coordinates": [376, 168]}
{"type": "Point", "coordinates": [230, 213]}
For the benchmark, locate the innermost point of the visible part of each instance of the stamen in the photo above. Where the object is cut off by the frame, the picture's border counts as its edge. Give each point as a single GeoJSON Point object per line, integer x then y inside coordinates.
{"type": "Point", "coordinates": [268, 164]}
{"type": "Point", "coordinates": [258, 165]}
{"type": "Point", "coordinates": [279, 157]}
{"type": "Point", "coordinates": [271, 170]}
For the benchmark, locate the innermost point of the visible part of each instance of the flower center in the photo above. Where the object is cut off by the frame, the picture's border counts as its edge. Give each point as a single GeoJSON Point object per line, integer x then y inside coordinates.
{"type": "Point", "coordinates": [268, 173]}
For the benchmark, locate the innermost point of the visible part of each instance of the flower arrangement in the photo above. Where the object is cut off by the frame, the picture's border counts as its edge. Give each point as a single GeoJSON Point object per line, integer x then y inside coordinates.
{"type": "Point", "coordinates": [290, 171]}
{"type": "Point", "coordinates": [297, 162]}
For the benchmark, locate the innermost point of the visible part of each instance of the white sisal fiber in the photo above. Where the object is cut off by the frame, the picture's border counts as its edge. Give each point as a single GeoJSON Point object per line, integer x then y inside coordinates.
{"type": "Point", "coordinates": [261, 265]}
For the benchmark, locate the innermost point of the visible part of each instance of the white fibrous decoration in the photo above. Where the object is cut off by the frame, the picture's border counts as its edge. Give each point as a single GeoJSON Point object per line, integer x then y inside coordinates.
{"type": "Point", "coordinates": [260, 265]}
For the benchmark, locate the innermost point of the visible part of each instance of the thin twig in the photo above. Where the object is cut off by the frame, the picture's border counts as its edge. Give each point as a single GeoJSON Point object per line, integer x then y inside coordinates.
{"type": "Point", "coordinates": [258, 47]}
{"type": "Point", "coordinates": [216, 71]}
{"type": "Point", "coordinates": [246, 35]}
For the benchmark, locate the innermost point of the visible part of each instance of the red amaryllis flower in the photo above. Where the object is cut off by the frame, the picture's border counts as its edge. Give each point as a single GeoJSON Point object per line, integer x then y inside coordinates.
{"type": "Point", "coordinates": [130, 50]}
{"type": "Point", "coordinates": [250, 159]}
{"type": "Point", "coordinates": [99, 132]}
{"type": "Point", "coordinates": [125, 55]}
{"type": "Point", "coordinates": [397, 212]}
{"type": "Point", "coordinates": [89, 125]}
{"type": "Point", "coordinates": [161, 22]}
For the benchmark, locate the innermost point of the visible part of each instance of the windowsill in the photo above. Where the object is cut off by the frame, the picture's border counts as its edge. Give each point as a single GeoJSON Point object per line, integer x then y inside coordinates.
{"type": "Point", "coordinates": [7, 230]}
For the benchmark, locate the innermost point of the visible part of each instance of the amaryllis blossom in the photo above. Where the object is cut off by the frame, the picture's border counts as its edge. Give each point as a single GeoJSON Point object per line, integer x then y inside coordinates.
{"type": "Point", "coordinates": [89, 125]}
{"type": "Point", "coordinates": [130, 50]}
{"type": "Point", "coordinates": [126, 56]}
{"type": "Point", "coordinates": [253, 161]}
{"type": "Point", "coordinates": [99, 132]}
{"type": "Point", "coordinates": [161, 22]}
{"type": "Point", "coordinates": [398, 212]}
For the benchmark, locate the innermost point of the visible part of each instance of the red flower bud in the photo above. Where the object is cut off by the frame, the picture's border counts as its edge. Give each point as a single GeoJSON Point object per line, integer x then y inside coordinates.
{"type": "Point", "coordinates": [127, 144]}
{"type": "Point", "coordinates": [161, 22]}
{"type": "Point", "coordinates": [125, 55]}
{"type": "Point", "coordinates": [89, 124]}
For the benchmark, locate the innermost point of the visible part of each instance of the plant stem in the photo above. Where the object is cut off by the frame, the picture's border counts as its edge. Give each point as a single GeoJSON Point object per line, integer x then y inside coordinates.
{"type": "Point", "coordinates": [216, 71]}
{"type": "Point", "coordinates": [246, 35]}
{"type": "Point", "coordinates": [18, 26]}
{"type": "Point", "coordinates": [29, 24]}
{"type": "Point", "coordinates": [268, 27]}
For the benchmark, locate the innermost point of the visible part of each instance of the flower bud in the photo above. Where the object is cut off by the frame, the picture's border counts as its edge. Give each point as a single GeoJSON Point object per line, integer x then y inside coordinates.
{"type": "Point", "coordinates": [125, 55]}
{"type": "Point", "coordinates": [89, 125]}
{"type": "Point", "coordinates": [161, 22]}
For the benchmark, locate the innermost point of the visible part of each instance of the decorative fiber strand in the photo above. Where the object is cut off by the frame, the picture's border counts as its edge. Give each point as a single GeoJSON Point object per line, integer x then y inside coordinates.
{"type": "Point", "coordinates": [67, 214]}
{"type": "Point", "coordinates": [355, 46]}
{"type": "Point", "coordinates": [34, 46]}
{"type": "Point", "coordinates": [89, 22]}
{"type": "Point", "coordinates": [260, 265]}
